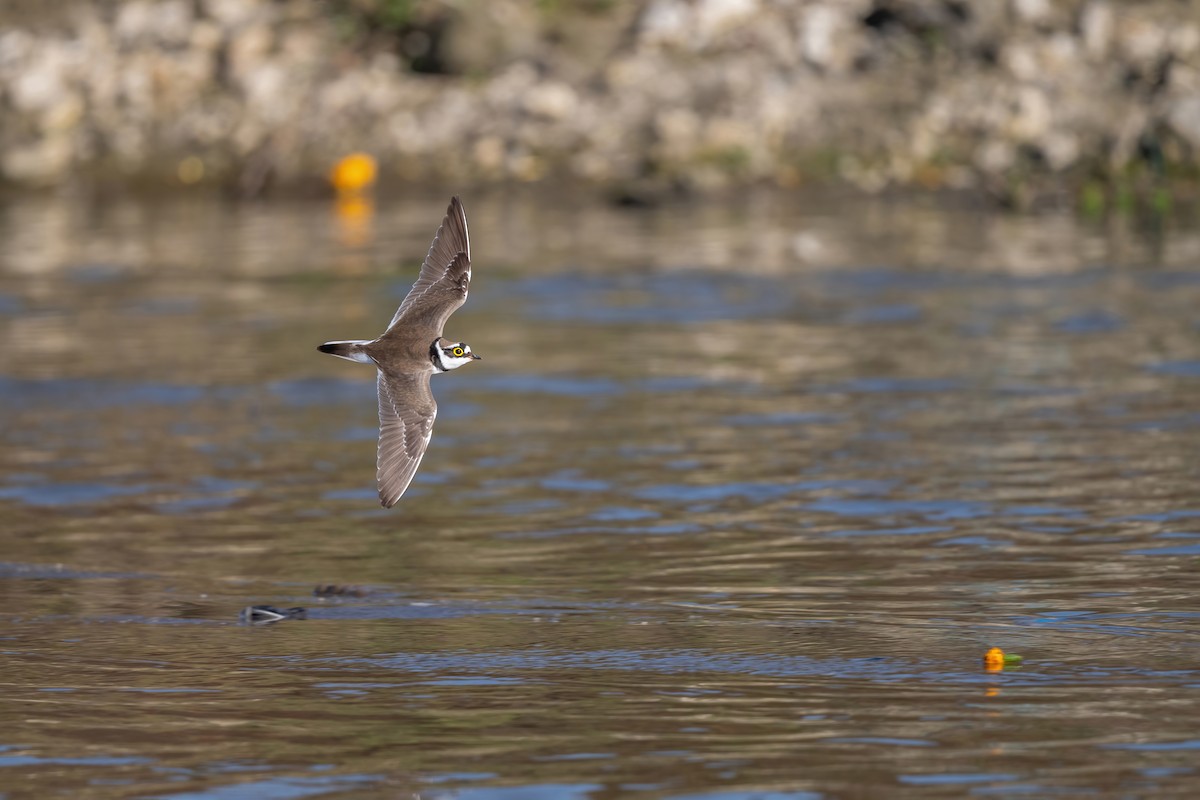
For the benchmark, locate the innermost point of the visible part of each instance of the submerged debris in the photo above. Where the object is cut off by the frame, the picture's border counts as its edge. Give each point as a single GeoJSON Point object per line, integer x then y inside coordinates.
{"type": "Point", "coordinates": [262, 614]}
{"type": "Point", "coordinates": [334, 590]}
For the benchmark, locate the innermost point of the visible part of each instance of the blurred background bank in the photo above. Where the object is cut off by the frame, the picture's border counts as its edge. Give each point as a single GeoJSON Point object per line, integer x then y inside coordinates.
{"type": "Point", "coordinates": [1090, 103]}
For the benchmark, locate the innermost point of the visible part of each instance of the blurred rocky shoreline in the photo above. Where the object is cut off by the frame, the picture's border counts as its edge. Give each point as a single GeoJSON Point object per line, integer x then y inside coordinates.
{"type": "Point", "coordinates": [1091, 100]}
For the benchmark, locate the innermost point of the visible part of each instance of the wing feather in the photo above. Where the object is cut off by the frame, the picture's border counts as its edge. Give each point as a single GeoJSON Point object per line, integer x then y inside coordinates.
{"type": "Point", "coordinates": [445, 276]}
{"type": "Point", "coordinates": [406, 414]}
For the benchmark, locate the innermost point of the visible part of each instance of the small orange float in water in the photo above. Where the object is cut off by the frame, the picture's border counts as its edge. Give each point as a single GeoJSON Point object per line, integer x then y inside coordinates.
{"type": "Point", "coordinates": [995, 660]}
{"type": "Point", "coordinates": [353, 173]}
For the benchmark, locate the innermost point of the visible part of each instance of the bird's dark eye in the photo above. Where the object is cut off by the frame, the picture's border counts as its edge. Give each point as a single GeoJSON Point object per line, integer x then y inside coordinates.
{"type": "Point", "coordinates": [458, 351]}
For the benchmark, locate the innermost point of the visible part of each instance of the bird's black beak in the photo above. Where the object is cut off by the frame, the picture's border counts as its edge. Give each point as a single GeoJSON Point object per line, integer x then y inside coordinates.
{"type": "Point", "coordinates": [477, 358]}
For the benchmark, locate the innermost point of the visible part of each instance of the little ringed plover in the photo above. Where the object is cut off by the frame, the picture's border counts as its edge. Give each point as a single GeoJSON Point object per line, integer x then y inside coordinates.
{"type": "Point", "coordinates": [411, 350]}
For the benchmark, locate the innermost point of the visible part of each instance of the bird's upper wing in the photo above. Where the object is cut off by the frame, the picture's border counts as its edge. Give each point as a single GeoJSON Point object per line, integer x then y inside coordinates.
{"type": "Point", "coordinates": [445, 277]}
{"type": "Point", "coordinates": [406, 414]}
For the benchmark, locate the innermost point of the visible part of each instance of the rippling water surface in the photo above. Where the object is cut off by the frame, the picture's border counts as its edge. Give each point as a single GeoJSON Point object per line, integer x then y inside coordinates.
{"type": "Point", "coordinates": [733, 507]}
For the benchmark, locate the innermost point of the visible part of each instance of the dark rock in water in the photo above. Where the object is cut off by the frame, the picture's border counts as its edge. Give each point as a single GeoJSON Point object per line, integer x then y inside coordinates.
{"type": "Point", "coordinates": [262, 614]}
{"type": "Point", "coordinates": [333, 590]}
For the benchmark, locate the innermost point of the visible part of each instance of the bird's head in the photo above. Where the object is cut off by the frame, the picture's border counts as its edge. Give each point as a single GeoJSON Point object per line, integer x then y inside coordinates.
{"type": "Point", "coordinates": [447, 356]}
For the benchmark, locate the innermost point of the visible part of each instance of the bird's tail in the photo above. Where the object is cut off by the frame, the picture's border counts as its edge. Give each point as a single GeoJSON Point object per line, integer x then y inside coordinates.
{"type": "Point", "coordinates": [352, 351]}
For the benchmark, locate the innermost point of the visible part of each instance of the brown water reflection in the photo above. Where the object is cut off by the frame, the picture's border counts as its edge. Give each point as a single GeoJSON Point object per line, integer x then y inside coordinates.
{"type": "Point", "coordinates": [736, 502]}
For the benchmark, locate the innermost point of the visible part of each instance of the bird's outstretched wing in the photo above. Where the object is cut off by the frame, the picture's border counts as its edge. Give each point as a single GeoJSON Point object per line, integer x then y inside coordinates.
{"type": "Point", "coordinates": [406, 414]}
{"type": "Point", "coordinates": [444, 280]}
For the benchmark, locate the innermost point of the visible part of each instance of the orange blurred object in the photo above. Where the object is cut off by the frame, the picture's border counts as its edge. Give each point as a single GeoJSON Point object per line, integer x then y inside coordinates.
{"type": "Point", "coordinates": [353, 173]}
{"type": "Point", "coordinates": [993, 660]}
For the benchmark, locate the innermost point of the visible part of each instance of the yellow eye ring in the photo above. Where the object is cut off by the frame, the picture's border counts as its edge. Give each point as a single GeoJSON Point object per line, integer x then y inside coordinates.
{"type": "Point", "coordinates": [458, 351]}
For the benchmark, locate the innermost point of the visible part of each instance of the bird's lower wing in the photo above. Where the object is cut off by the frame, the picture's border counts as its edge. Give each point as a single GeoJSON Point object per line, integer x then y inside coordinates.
{"type": "Point", "coordinates": [406, 414]}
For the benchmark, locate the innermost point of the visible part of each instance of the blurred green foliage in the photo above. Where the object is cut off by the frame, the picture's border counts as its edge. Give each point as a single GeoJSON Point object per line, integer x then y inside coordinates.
{"type": "Point", "coordinates": [412, 29]}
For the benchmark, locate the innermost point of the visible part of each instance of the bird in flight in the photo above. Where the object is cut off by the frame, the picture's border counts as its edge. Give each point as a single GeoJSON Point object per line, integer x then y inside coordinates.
{"type": "Point", "coordinates": [411, 350]}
